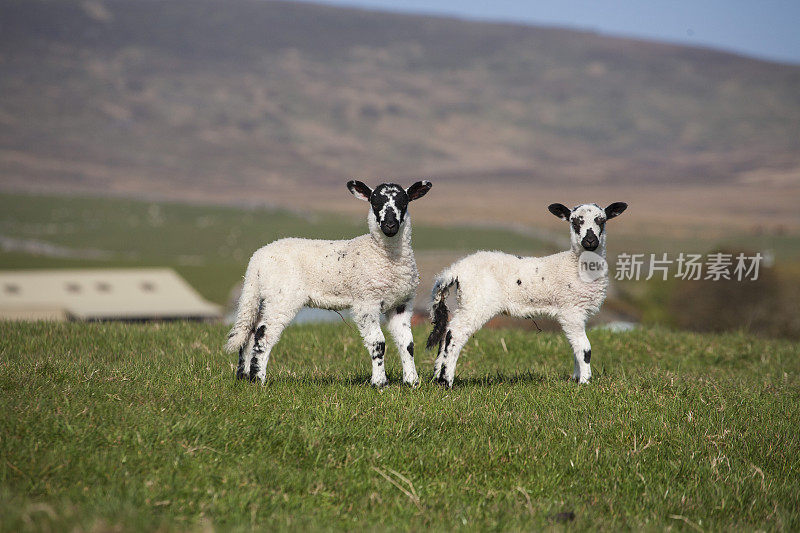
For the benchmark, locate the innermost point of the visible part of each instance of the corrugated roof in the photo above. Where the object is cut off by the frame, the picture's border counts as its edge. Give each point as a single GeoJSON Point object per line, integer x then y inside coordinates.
{"type": "Point", "coordinates": [101, 294]}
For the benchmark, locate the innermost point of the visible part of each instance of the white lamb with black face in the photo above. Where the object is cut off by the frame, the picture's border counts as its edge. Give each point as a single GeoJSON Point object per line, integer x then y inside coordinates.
{"type": "Point", "coordinates": [491, 283]}
{"type": "Point", "coordinates": [370, 275]}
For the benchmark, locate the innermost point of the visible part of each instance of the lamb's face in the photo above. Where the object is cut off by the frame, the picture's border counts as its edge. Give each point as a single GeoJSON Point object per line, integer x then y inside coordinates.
{"type": "Point", "coordinates": [389, 202]}
{"type": "Point", "coordinates": [587, 226]}
{"type": "Point", "coordinates": [588, 223]}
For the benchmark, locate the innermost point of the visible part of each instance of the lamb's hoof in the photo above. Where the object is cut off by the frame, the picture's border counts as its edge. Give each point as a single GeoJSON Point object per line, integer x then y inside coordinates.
{"type": "Point", "coordinates": [255, 378]}
{"type": "Point", "coordinates": [380, 384]}
{"type": "Point", "coordinates": [440, 379]}
{"type": "Point", "coordinates": [443, 382]}
{"type": "Point", "coordinates": [414, 384]}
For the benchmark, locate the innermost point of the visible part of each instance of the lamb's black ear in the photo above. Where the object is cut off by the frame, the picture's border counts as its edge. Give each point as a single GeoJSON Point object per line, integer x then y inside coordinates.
{"type": "Point", "coordinates": [560, 210]}
{"type": "Point", "coordinates": [615, 209]}
{"type": "Point", "coordinates": [359, 189]}
{"type": "Point", "coordinates": [418, 190]}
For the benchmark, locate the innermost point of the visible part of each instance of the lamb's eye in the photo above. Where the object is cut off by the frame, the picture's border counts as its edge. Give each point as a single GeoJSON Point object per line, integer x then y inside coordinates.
{"type": "Point", "coordinates": [600, 222]}
{"type": "Point", "coordinates": [576, 225]}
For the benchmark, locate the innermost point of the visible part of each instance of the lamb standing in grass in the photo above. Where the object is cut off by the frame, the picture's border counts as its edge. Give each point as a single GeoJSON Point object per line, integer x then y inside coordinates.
{"type": "Point", "coordinates": [371, 274]}
{"type": "Point", "coordinates": [490, 283]}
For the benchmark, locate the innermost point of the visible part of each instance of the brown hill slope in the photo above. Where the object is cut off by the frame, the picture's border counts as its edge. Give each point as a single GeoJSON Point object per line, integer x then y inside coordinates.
{"type": "Point", "coordinates": [243, 100]}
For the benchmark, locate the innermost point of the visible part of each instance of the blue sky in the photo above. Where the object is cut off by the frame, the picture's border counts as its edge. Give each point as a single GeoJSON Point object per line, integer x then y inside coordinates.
{"type": "Point", "coordinates": [767, 29]}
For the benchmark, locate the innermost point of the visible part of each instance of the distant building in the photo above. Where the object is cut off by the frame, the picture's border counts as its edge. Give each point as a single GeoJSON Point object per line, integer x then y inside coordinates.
{"type": "Point", "coordinates": [101, 294]}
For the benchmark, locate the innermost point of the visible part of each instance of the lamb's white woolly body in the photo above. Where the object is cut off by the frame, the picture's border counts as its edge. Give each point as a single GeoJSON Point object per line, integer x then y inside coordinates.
{"type": "Point", "coordinates": [491, 283]}
{"type": "Point", "coordinates": [526, 286]}
{"type": "Point", "coordinates": [371, 274]}
{"type": "Point", "coordinates": [336, 274]}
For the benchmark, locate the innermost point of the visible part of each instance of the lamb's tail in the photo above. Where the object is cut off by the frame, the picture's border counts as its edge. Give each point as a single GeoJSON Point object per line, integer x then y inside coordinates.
{"type": "Point", "coordinates": [246, 312]}
{"type": "Point", "coordinates": [439, 313]}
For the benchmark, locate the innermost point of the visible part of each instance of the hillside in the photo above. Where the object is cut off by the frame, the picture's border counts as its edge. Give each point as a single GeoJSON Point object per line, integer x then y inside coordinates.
{"type": "Point", "coordinates": [251, 101]}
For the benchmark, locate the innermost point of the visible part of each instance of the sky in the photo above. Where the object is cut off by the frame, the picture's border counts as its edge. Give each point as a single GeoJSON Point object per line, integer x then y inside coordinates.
{"type": "Point", "coordinates": [765, 29]}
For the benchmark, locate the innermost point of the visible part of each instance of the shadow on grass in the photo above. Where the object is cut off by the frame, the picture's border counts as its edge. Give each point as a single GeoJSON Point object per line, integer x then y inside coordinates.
{"type": "Point", "coordinates": [363, 380]}
{"type": "Point", "coordinates": [502, 378]}
{"type": "Point", "coordinates": [358, 380]}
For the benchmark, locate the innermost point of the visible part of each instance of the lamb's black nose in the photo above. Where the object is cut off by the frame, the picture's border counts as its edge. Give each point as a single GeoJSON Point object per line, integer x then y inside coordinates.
{"type": "Point", "coordinates": [590, 244]}
{"type": "Point", "coordinates": [390, 228]}
{"type": "Point", "coordinates": [590, 241]}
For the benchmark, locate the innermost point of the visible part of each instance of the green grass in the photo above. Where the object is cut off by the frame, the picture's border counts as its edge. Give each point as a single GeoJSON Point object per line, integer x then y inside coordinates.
{"type": "Point", "coordinates": [141, 427]}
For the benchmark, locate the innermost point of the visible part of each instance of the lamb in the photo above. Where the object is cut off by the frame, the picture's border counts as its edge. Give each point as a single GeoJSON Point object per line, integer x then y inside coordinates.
{"type": "Point", "coordinates": [569, 286]}
{"type": "Point", "coordinates": [371, 274]}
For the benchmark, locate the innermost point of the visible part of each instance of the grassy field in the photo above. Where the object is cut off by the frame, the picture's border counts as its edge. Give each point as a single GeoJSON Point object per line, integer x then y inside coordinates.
{"type": "Point", "coordinates": [138, 427]}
